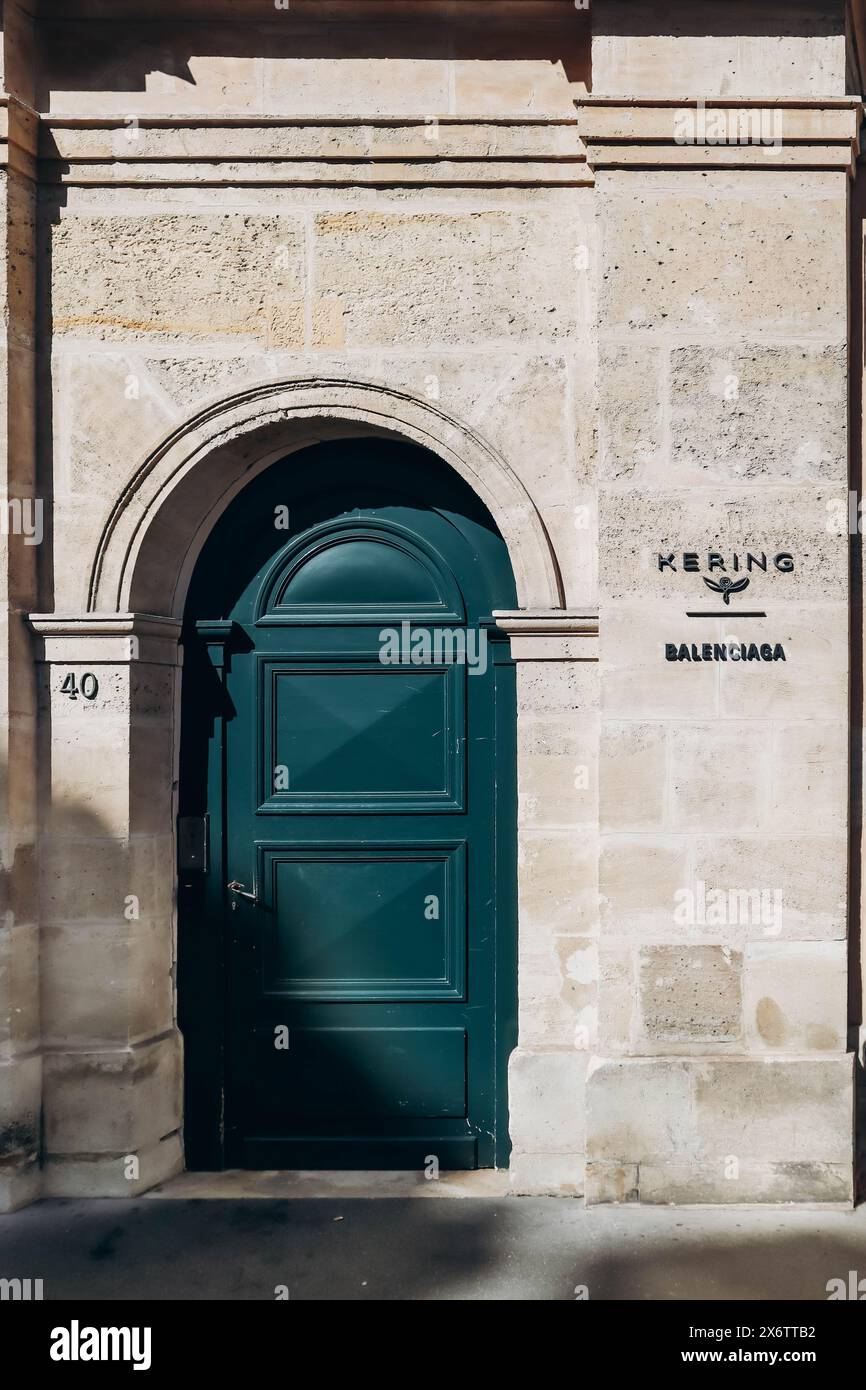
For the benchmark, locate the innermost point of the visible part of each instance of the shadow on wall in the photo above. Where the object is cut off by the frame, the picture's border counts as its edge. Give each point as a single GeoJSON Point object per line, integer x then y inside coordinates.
{"type": "Point", "coordinates": [97, 974]}
{"type": "Point", "coordinates": [78, 55]}
{"type": "Point", "coordinates": [736, 18]}
{"type": "Point", "coordinates": [131, 55]}
{"type": "Point", "coordinates": [66, 975]}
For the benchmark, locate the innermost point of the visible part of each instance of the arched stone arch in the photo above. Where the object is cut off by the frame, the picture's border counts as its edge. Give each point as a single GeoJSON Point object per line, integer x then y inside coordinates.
{"type": "Point", "coordinates": [157, 526]}
{"type": "Point", "coordinates": [123, 766]}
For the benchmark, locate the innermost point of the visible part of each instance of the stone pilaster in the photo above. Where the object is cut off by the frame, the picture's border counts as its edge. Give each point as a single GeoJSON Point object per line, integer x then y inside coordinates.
{"type": "Point", "coordinates": [108, 690]}
{"type": "Point", "coordinates": [556, 654]}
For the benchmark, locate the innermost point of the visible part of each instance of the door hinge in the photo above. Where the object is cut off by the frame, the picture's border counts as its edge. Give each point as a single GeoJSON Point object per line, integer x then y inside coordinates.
{"type": "Point", "coordinates": [192, 844]}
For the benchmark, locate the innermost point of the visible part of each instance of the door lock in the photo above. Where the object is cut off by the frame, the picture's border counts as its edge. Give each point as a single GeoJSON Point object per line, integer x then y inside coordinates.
{"type": "Point", "coordinates": [240, 889]}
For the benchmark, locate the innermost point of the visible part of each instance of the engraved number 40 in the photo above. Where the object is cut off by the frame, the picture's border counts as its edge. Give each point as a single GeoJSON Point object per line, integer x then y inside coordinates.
{"type": "Point", "coordinates": [89, 686]}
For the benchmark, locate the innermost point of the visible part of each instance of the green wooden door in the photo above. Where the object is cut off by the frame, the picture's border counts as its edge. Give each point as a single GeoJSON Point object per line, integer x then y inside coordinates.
{"type": "Point", "coordinates": [349, 730]}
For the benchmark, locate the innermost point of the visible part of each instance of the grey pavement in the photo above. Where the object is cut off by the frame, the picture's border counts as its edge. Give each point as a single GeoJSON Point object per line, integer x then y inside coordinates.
{"type": "Point", "coordinates": [401, 1248]}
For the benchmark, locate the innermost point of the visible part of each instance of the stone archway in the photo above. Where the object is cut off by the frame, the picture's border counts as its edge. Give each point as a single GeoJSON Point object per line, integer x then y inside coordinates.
{"type": "Point", "coordinates": [112, 1098]}
{"type": "Point", "coordinates": [178, 491]}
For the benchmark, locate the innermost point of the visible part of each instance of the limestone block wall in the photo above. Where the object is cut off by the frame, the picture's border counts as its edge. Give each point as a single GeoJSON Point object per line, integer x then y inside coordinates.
{"type": "Point", "coordinates": [308, 57]}
{"type": "Point", "coordinates": [349, 286]}
{"type": "Point", "coordinates": [723, 1071]}
{"type": "Point", "coordinates": [501, 230]}
{"type": "Point", "coordinates": [415, 235]}
{"type": "Point", "coordinates": [744, 49]}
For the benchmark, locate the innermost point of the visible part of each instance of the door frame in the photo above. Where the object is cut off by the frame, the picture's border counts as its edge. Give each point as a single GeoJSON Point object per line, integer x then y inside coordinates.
{"type": "Point", "coordinates": [202, 983]}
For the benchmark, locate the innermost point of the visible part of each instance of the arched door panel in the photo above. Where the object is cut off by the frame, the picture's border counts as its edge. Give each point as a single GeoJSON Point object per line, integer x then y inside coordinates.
{"type": "Point", "coordinates": [356, 769]}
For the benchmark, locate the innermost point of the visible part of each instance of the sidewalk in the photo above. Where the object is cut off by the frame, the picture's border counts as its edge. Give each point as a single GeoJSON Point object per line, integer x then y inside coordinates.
{"type": "Point", "coordinates": [340, 1246]}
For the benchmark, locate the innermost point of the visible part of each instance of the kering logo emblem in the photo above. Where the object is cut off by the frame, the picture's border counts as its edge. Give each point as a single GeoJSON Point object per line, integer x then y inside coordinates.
{"type": "Point", "coordinates": [726, 587]}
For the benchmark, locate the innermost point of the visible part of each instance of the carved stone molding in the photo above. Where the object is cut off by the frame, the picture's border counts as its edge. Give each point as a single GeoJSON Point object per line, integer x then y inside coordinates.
{"type": "Point", "coordinates": [106, 637]}
{"type": "Point", "coordinates": [551, 634]}
{"type": "Point", "coordinates": [211, 455]}
{"type": "Point", "coordinates": [734, 133]}
{"type": "Point", "coordinates": [326, 151]}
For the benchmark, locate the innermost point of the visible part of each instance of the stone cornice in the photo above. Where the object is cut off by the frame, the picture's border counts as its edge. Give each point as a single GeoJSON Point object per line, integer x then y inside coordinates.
{"type": "Point", "coordinates": [106, 637]}
{"type": "Point", "coordinates": [721, 133]}
{"type": "Point", "coordinates": [103, 624]}
{"type": "Point", "coordinates": [240, 149]}
{"type": "Point", "coordinates": [206, 150]}
{"type": "Point", "coordinates": [550, 634]}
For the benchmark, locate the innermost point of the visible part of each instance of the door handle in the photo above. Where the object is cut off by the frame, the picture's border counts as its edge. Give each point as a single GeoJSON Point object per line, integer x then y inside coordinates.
{"type": "Point", "coordinates": [240, 889]}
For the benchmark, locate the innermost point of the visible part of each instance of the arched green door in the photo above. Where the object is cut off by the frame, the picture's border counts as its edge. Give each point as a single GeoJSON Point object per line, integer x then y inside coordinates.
{"type": "Point", "coordinates": [349, 734]}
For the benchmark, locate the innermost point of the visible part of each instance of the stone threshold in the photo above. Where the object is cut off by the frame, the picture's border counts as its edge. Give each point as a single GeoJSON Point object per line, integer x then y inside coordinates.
{"type": "Point", "coordinates": [237, 1183]}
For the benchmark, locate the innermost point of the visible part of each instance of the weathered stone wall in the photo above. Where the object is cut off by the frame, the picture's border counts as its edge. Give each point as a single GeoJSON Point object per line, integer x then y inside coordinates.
{"type": "Point", "coordinates": [434, 260]}
{"type": "Point", "coordinates": [723, 1071]}
{"type": "Point", "coordinates": [475, 225]}
{"type": "Point", "coordinates": [742, 49]}
{"type": "Point", "coordinates": [314, 57]}
{"type": "Point", "coordinates": [345, 285]}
